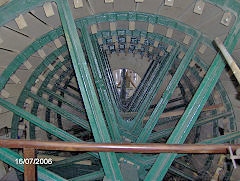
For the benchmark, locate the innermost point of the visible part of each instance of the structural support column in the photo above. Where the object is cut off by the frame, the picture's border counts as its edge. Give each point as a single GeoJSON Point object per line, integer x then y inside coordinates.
{"type": "Point", "coordinates": [123, 92]}
{"type": "Point", "coordinates": [154, 86]}
{"type": "Point", "coordinates": [147, 130]}
{"type": "Point", "coordinates": [185, 124]}
{"type": "Point", "coordinates": [94, 112]}
{"type": "Point", "coordinates": [107, 106]}
{"type": "Point", "coordinates": [71, 117]}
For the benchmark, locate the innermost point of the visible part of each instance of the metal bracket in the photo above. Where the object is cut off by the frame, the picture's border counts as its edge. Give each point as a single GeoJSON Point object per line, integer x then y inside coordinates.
{"type": "Point", "coordinates": [234, 157]}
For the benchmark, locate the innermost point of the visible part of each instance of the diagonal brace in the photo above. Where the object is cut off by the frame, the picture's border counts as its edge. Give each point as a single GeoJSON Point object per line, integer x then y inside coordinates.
{"type": "Point", "coordinates": [147, 130]}
{"type": "Point", "coordinates": [90, 99]}
{"type": "Point", "coordinates": [188, 119]}
{"type": "Point", "coordinates": [100, 85]}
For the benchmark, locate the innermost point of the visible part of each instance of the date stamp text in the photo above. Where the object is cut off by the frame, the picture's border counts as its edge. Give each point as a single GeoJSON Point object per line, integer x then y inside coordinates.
{"type": "Point", "coordinates": [34, 161]}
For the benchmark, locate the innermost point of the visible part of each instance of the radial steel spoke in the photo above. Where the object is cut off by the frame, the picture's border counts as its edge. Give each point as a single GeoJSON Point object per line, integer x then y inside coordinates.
{"type": "Point", "coordinates": [101, 86]}
{"type": "Point", "coordinates": [166, 132]}
{"type": "Point", "coordinates": [167, 93]}
{"type": "Point", "coordinates": [90, 99]}
{"type": "Point", "coordinates": [154, 88]}
{"type": "Point", "coordinates": [40, 123]}
{"type": "Point", "coordinates": [185, 124]}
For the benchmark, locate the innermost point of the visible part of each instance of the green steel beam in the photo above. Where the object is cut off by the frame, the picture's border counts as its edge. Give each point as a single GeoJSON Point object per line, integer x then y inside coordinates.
{"type": "Point", "coordinates": [71, 160]}
{"type": "Point", "coordinates": [59, 103]}
{"type": "Point", "coordinates": [166, 132]}
{"type": "Point", "coordinates": [71, 117]}
{"type": "Point", "coordinates": [182, 174]}
{"type": "Point", "coordinates": [149, 81]}
{"type": "Point", "coordinates": [185, 124]}
{"type": "Point", "coordinates": [109, 112]}
{"type": "Point", "coordinates": [28, 85]}
{"type": "Point", "coordinates": [217, 140]}
{"type": "Point", "coordinates": [60, 98]}
{"type": "Point", "coordinates": [8, 156]}
{"type": "Point", "coordinates": [145, 133]}
{"type": "Point", "coordinates": [10, 10]}
{"type": "Point", "coordinates": [97, 175]}
{"type": "Point", "coordinates": [48, 60]}
{"type": "Point", "coordinates": [40, 42]}
{"type": "Point", "coordinates": [223, 138]}
{"type": "Point", "coordinates": [44, 84]}
{"type": "Point", "coordinates": [38, 122]}
{"type": "Point", "coordinates": [14, 7]}
{"type": "Point", "coordinates": [25, 54]}
{"type": "Point", "coordinates": [146, 162]}
{"type": "Point", "coordinates": [63, 135]}
{"type": "Point", "coordinates": [95, 116]}
{"type": "Point", "coordinates": [65, 91]}
{"type": "Point", "coordinates": [138, 120]}
{"type": "Point", "coordinates": [20, 4]}
{"type": "Point", "coordinates": [108, 77]}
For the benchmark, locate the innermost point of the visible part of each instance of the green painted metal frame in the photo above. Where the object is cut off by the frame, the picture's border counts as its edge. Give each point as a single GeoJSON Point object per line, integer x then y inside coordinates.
{"type": "Point", "coordinates": [9, 157]}
{"type": "Point", "coordinates": [107, 76]}
{"type": "Point", "coordinates": [106, 35]}
{"type": "Point", "coordinates": [47, 79]}
{"type": "Point", "coordinates": [166, 132]}
{"type": "Point", "coordinates": [44, 84]}
{"type": "Point", "coordinates": [61, 98]}
{"type": "Point", "coordinates": [179, 134]}
{"type": "Point", "coordinates": [97, 175]}
{"type": "Point", "coordinates": [71, 117]}
{"type": "Point", "coordinates": [168, 93]}
{"type": "Point", "coordinates": [107, 106]}
{"type": "Point", "coordinates": [138, 120]}
{"type": "Point", "coordinates": [146, 162]}
{"type": "Point", "coordinates": [24, 55]}
{"type": "Point", "coordinates": [63, 135]}
{"type": "Point", "coordinates": [29, 5]}
{"type": "Point", "coordinates": [46, 64]}
{"type": "Point", "coordinates": [10, 12]}
{"type": "Point", "coordinates": [95, 116]}
{"type": "Point", "coordinates": [48, 60]}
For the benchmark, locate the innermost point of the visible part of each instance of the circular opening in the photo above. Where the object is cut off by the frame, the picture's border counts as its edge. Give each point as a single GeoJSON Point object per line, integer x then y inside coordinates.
{"type": "Point", "coordinates": [126, 81]}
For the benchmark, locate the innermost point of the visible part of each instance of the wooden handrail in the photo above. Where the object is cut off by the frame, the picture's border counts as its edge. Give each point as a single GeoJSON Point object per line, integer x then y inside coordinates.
{"type": "Point", "coordinates": [120, 147]}
{"type": "Point", "coordinates": [29, 147]}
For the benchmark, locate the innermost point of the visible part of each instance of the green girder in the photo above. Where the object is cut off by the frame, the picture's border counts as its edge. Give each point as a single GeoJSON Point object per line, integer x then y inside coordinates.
{"type": "Point", "coordinates": [110, 114]}
{"type": "Point", "coordinates": [73, 118]}
{"type": "Point", "coordinates": [167, 93]}
{"type": "Point", "coordinates": [13, 8]}
{"type": "Point", "coordinates": [95, 116]}
{"type": "Point", "coordinates": [185, 124]}
{"type": "Point", "coordinates": [10, 157]}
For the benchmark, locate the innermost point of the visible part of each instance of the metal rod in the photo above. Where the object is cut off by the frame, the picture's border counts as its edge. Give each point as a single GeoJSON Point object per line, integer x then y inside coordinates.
{"type": "Point", "coordinates": [30, 173]}
{"type": "Point", "coordinates": [232, 64]}
{"type": "Point", "coordinates": [120, 147]}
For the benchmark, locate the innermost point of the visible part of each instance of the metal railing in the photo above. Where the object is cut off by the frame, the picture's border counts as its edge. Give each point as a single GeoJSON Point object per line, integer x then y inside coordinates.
{"type": "Point", "coordinates": [29, 148]}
